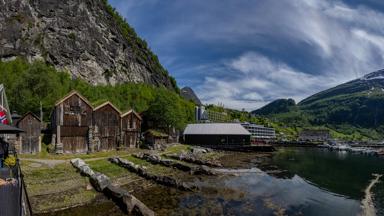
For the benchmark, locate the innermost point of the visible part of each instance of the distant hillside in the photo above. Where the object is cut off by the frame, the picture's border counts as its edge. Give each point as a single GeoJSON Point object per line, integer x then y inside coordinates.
{"type": "Point", "coordinates": [87, 38]}
{"type": "Point", "coordinates": [275, 107]}
{"type": "Point", "coordinates": [357, 105]}
{"type": "Point", "coordinates": [188, 94]}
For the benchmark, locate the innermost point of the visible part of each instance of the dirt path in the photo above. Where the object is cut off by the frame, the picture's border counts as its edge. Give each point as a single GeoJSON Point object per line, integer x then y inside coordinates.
{"type": "Point", "coordinates": [52, 162]}
{"type": "Point", "coordinates": [367, 203]}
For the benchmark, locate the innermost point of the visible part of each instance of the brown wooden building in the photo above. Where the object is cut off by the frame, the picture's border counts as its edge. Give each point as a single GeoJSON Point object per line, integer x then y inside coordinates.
{"type": "Point", "coordinates": [106, 118]}
{"type": "Point", "coordinates": [30, 141]}
{"type": "Point", "coordinates": [71, 119]}
{"type": "Point", "coordinates": [155, 139]}
{"type": "Point", "coordinates": [130, 129]}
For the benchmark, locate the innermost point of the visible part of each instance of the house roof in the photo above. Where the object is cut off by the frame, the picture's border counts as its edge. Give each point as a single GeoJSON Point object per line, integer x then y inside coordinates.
{"type": "Point", "coordinates": [6, 129]}
{"type": "Point", "coordinates": [105, 104]}
{"type": "Point", "coordinates": [216, 129]}
{"type": "Point", "coordinates": [70, 94]}
{"type": "Point", "coordinates": [29, 113]}
{"type": "Point", "coordinates": [131, 111]}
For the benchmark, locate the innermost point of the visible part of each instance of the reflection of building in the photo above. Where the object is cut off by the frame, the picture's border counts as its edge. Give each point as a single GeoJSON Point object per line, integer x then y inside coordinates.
{"type": "Point", "coordinates": [203, 115]}
{"type": "Point", "coordinates": [216, 135]}
{"type": "Point", "coordinates": [260, 132]}
{"type": "Point", "coordinates": [314, 135]}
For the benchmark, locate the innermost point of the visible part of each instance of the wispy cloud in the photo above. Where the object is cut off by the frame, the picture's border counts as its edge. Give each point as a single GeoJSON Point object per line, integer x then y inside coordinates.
{"type": "Point", "coordinates": [247, 53]}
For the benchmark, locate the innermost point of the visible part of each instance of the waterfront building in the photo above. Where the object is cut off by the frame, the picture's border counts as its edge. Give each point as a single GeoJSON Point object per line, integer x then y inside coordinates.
{"type": "Point", "coordinates": [29, 142]}
{"type": "Point", "coordinates": [71, 118]}
{"type": "Point", "coordinates": [314, 135]}
{"type": "Point", "coordinates": [130, 129]}
{"type": "Point", "coordinates": [259, 132]}
{"type": "Point", "coordinates": [106, 126]}
{"type": "Point", "coordinates": [217, 135]}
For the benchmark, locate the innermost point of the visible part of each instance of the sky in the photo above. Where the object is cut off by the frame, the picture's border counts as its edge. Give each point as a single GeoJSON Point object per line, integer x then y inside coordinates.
{"type": "Point", "coordinates": [247, 53]}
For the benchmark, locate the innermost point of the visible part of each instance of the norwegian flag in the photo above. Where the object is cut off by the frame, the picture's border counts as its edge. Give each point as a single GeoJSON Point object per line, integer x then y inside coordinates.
{"type": "Point", "coordinates": [3, 117]}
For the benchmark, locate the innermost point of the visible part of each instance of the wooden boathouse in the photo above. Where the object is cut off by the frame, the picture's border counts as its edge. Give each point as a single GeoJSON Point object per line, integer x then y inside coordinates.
{"type": "Point", "coordinates": [130, 129]}
{"type": "Point", "coordinates": [30, 140]}
{"type": "Point", "coordinates": [106, 121]}
{"type": "Point", "coordinates": [71, 119]}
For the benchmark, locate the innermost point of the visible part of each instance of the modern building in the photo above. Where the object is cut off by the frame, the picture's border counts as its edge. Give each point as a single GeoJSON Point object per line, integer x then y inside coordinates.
{"type": "Point", "coordinates": [314, 135]}
{"type": "Point", "coordinates": [203, 115]}
{"type": "Point", "coordinates": [223, 135]}
{"type": "Point", "coordinates": [259, 132]}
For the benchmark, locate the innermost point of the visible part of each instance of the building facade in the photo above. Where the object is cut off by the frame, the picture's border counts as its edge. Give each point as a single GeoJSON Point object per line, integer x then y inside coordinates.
{"type": "Point", "coordinates": [308, 135]}
{"type": "Point", "coordinates": [71, 119]}
{"type": "Point", "coordinates": [30, 141]}
{"type": "Point", "coordinates": [130, 129]}
{"type": "Point", "coordinates": [259, 132]}
{"type": "Point", "coordinates": [106, 121]}
{"type": "Point", "coordinates": [225, 135]}
{"type": "Point", "coordinates": [204, 115]}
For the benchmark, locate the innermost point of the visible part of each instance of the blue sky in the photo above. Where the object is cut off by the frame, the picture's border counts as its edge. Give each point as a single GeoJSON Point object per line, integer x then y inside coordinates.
{"type": "Point", "coordinates": [246, 53]}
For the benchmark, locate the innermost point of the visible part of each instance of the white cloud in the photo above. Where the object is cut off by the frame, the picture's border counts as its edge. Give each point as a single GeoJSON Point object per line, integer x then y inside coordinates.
{"type": "Point", "coordinates": [329, 41]}
{"type": "Point", "coordinates": [261, 80]}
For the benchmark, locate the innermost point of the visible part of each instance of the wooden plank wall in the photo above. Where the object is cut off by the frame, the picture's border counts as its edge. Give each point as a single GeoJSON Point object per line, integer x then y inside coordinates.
{"type": "Point", "coordinates": [30, 140]}
{"type": "Point", "coordinates": [107, 119]}
{"type": "Point", "coordinates": [75, 117]}
{"type": "Point", "coordinates": [131, 126]}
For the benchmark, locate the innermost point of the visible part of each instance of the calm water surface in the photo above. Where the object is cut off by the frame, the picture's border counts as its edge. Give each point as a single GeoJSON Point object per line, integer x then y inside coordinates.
{"type": "Point", "coordinates": [292, 181]}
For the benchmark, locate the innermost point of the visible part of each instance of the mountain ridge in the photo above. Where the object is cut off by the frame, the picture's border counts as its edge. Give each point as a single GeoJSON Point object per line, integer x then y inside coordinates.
{"type": "Point", "coordinates": [358, 103]}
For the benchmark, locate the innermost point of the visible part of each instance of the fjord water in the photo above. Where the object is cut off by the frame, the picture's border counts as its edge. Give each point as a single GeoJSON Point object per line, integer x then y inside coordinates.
{"type": "Point", "coordinates": [301, 181]}
{"type": "Point", "coordinates": [291, 181]}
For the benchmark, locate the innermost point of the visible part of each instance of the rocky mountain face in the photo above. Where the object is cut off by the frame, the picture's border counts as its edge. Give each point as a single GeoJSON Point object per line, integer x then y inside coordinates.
{"type": "Point", "coordinates": [84, 37]}
{"type": "Point", "coordinates": [188, 94]}
{"type": "Point", "coordinates": [358, 103]}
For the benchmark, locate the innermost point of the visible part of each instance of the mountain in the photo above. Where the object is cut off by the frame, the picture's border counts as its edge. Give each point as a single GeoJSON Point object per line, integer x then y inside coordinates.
{"type": "Point", "coordinates": [87, 38]}
{"type": "Point", "coordinates": [358, 103]}
{"type": "Point", "coordinates": [275, 107]}
{"type": "Point", "coordinates": [188, 94]}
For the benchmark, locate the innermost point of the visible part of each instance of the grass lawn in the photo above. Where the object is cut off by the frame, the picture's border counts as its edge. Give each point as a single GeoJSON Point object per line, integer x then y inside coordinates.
{"type": "Point", "coordinates": [54, 188]}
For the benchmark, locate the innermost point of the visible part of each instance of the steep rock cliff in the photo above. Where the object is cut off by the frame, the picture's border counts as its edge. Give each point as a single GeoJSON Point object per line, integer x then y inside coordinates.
{"type": "Point", "coordinates": [84, 37]}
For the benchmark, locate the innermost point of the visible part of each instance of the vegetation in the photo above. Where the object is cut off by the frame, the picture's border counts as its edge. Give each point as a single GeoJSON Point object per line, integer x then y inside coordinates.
{"type": "Point", "coordinates": [10, 161]}
{"type": "Point", "coordinates": [29, 85]}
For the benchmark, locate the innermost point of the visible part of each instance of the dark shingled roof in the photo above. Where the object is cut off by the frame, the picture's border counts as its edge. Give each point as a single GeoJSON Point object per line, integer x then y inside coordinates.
{"type": "Point", "coordinates": [6, 129]}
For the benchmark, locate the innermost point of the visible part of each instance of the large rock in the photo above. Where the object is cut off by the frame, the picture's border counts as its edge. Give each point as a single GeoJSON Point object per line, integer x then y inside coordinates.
{"type": "Point", "coordinates": [82, 37]}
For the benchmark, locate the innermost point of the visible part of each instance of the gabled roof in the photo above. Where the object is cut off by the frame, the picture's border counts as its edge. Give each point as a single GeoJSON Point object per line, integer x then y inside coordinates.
{"type": "Point", "coordinates": [70, 94]}
{"type": "Point", "coordinates": [131, 111]}
{"type": "Point", "coordinates": [105, 104]}
{"type": "Point", "coordinates": [29, 113]}
{"type": "Point", "coordinates": [216, 129]}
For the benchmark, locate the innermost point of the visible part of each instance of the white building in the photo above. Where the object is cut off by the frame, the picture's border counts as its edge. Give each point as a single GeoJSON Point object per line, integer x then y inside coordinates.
{"type": "Point", "coordinates": [260, 132]}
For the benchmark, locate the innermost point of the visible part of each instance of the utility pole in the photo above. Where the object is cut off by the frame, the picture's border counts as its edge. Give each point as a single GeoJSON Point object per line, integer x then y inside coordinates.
{"type": "Point", "coordinates": [41, 114]}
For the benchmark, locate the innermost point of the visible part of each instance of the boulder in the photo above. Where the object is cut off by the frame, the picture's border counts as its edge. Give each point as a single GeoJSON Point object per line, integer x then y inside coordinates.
{"type": "Point", "coordinates": [100, 181]}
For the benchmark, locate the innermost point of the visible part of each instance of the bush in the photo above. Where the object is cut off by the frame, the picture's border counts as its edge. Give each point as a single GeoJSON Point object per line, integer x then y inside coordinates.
{"type": "Point", "coordinates": [10, 161]}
